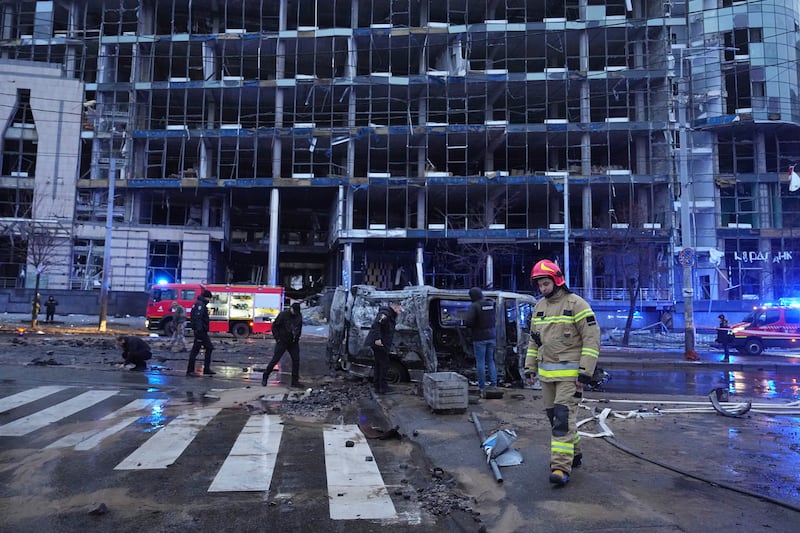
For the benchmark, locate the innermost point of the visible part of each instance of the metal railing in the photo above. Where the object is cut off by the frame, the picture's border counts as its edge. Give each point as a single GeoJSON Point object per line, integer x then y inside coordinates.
{"type": "Point", "coordinates": [647, 294]}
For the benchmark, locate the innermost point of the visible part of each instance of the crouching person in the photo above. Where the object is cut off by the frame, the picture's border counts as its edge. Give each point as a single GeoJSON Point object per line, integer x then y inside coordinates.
{"type": "Point", "coordinates": [135, 351]}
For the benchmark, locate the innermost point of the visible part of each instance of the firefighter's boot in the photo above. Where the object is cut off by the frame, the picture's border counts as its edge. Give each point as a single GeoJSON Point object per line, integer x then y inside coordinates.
{"type": "Point", "coordinates": [559, 477]}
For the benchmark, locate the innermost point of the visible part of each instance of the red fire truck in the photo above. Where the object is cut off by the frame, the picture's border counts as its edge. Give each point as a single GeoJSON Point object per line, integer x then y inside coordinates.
{"type": "Point", "coordinates": [237, 309]}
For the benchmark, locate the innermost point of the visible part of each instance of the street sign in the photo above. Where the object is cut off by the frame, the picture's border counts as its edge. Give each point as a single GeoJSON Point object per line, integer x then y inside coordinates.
{"type": "Point", "coordinates": [686, 257]}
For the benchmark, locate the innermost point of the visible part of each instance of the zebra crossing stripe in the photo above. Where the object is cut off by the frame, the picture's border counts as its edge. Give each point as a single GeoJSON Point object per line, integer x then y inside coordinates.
{"type": "Point", "coordinates": [136, 405]}
{"type": "Point", "coordinates": [164, 448]}
{"type": "Point", "coordinates": [86, 440]}
{"type": "Point", "coordinates": [355, 486]}
{"type": "Point", "coordinates": [38, 420]}
{"type": "Point", "coordinates": [251, 462]}
{"type": "Point", "coordinates": [28, 396]}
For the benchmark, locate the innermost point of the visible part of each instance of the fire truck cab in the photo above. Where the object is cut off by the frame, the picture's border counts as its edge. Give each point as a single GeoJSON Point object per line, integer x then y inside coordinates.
{"type": "Point", "coordinates": [241, 310]}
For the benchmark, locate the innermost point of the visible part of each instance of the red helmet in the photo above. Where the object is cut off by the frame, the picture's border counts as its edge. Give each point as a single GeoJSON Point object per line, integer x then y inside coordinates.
{"type": "Point", "coordinates": [545, 267]}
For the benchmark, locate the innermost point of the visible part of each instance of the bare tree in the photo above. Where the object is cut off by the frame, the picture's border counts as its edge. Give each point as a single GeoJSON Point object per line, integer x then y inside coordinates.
{"type": "Point", "coordinates": [632, 261]}
{"type": "Point", "coordinates": [35, 243]}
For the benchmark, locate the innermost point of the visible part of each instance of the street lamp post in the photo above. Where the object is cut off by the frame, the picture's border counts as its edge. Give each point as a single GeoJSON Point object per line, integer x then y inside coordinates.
{"type": "Point", "coordinates": [687, 256]}
{"type": "Point", "coordinates": [105, 287]}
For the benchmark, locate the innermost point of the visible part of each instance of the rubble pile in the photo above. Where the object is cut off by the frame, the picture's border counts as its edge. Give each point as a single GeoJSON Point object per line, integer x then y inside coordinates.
{"type": "Point", "coordinates": [320, 401]}
{"type": "Point", "coordinates": [441, 498]}
{"type": "Point", "coordinates": [99, 343]}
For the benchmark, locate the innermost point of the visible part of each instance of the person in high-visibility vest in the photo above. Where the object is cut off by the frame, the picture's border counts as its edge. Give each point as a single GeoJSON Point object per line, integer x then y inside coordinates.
{"type": "Point", "coordinates": [562, 351]}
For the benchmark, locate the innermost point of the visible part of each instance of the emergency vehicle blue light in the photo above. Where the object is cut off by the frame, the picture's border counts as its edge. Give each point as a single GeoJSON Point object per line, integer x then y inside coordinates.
{"type": "Point", "coordinates": [791, 302]}
{"type": "Point", "coordinates": [162, 281]}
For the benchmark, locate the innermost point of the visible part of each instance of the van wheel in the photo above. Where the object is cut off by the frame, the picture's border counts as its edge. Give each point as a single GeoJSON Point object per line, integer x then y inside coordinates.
{"type": "Point", "coordinates": [754, 347]}
{"type": "Point", "coordinates": [240, 330]}
{"type": "Point", "coordinates": [169, 327]}
{"type": "Point", "coordinates": [396, 373]}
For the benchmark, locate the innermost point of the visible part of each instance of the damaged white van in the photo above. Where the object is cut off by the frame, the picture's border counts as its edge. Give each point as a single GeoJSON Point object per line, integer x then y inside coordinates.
{"type": "Point", "coordinates": [430, 335]}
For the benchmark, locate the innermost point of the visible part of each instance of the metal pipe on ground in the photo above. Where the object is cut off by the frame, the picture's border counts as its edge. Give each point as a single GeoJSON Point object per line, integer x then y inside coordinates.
{"type": "Point", "coordinates": [482, 436]}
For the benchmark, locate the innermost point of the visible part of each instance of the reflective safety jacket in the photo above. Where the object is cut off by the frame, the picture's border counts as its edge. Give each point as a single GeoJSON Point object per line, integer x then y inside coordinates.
{"type": "Point", "coordinates": [565, 338]}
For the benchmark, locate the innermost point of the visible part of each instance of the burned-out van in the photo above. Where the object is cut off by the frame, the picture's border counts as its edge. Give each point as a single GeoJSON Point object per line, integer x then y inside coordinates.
{"type": "Point", "coordinates": [430, 335]}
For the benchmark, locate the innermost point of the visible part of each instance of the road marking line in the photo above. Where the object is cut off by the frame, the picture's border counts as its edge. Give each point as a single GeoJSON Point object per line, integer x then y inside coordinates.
{"type": "Point", "coordinates": [86, 440]}
{"type": "Point", "coordinates": [30, 423]}
{"type": "Point", "coordinates": [251, 461]}
{"type": "Point", "coordinates": [355, 486]}
{"type": "Point", "coordinates": [28, 396]}
{"type": "Point", "coordinates": [164, 448]}
{"type": "Point", "coordinates": [135, 405]}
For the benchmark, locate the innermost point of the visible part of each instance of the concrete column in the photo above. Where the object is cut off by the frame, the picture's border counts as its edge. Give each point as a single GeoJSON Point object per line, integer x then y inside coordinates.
{"type": "Point", "coordinates": [766, 280]}
{"type": "Point", "coordinates": [272, 252]}
{"type": "Point", "coordinates": [350, 72]}
{"type": "Point", "coordinates": [421, 208]}
{"type": "Point", "coordinates": [347, 266]}
{"type": "Point", "coordinates": [420, 264]}
{"type": "Point", "coordinates": [588, 274]}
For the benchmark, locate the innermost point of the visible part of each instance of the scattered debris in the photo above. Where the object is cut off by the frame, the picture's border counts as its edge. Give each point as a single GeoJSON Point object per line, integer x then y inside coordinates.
{"type": "Point", "coordinates": [97, 509]}
{"type": "Point", "coordinates": [441, 498]}
{"type": "Point", "coordinates": [328, 397]}
{"type": "Point", "coordinates": [375, 433]}
{"type": "Point", "coordinates": [44, 362]}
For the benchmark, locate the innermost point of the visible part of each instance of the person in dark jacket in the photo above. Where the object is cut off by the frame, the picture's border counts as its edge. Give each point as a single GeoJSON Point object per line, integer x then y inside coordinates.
{"type": "Point", "coordinates": [287, 329]}
{"type": "Point", "coordinates": [200, 323]}
{"type": "Point", "coordinates": [481, 321]}
{"type": "Point", "coordinates": [135, 351]}
{"type": "Point", "coordinates": [724, 336]}
{"type": "Point", "coordinates": [380, 339]}
{"type": "Point", "coordinates": [50, 309]}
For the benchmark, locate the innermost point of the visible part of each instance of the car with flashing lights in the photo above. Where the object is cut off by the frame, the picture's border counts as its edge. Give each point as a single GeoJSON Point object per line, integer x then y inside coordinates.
{"type": "Point", "coordinates": [768, 326]}
{"type": "Point", "coordinates": [430, 335]}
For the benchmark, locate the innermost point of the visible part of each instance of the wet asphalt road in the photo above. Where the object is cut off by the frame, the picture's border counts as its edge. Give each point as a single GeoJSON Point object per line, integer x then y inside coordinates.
{"type": "Point", "coordinates": [750, 383]}
{"type": "Point", "coordinates": [179, 501]}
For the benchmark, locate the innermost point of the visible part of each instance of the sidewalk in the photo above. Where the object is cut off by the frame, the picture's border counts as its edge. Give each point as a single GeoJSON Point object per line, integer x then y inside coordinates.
{"type": "Point", "coordinates": [61, 322]}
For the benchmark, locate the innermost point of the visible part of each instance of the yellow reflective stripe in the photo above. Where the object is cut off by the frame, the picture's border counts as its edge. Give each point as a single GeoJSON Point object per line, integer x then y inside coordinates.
{"type": "Point", "coordinates": [532, 352]}
{"type": "Point", "coordinates": [577, 439]}
{"type": "Point", "coordinates": [559, 319]}
{"type": "Point", "coordinates": [564, 319]}
{"type": "Point", "coordinates": [557, 446]}
{"type": "Point", "coordinates": [566, 373]}
{"type": "Point", "coordinates": [590, 352]}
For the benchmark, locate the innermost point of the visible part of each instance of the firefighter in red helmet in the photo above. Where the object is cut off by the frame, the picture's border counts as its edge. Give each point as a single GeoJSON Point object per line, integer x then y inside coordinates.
{"type": "Point", "coordinates": [563, 350]}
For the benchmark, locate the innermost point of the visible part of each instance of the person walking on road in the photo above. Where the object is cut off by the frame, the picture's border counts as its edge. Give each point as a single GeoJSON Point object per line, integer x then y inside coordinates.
{"type": "Point", "coordinates": [50, 309]}
{"type": "Point", "coordinates": [563, 350]}
{"type": "Point", "coordinates": [135, 351]}
{"type": "Point", "coordinates": [379, 340]}
{"type": "Point", "coordinates": [179, 335]}
{"type": "Point", "coordinates": [200, 324]}
{"type": "Point", "coordinates": [481, 321]}
{"type": "Point", "coordinates": [724, 336]}
{"type": "Point", "coordinates": [287, 329]}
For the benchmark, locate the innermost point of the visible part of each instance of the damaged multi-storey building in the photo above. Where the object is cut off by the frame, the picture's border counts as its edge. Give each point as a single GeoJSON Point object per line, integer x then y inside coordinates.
{"type": "Point", "coordinates": [313, 143]}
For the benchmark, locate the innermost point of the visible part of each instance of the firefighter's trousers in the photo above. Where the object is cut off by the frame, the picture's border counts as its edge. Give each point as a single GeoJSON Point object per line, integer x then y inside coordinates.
{"type": "Point", "coordinates": [561, 399]}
